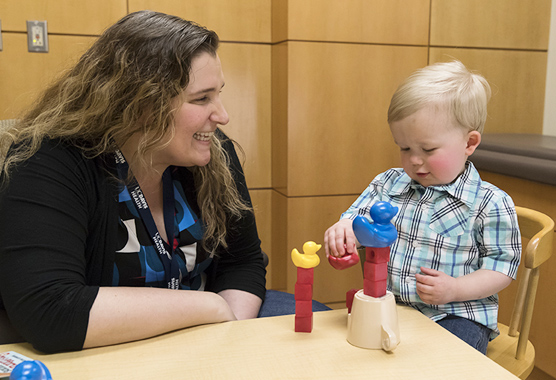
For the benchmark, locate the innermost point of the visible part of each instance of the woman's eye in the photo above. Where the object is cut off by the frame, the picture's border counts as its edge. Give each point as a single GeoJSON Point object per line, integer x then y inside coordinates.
{"type": "Point", "coordinates": [404, 149]}
{"type": "Point", "coordinates": [429, 150]}
{"type": "Point", "coordinates": [201, 100]}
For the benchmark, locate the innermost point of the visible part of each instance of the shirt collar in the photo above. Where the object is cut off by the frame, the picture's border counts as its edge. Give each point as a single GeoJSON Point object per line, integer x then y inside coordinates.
{"type": "Point", "coordinates": [465, 187]}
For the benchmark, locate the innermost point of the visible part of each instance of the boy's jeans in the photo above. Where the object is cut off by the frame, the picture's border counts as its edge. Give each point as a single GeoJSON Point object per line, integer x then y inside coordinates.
{"type": "Point", "coordinates": [473, 333]}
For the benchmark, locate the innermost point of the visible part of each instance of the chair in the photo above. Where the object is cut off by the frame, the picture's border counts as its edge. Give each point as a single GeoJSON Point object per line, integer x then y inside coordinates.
{"type": "Point", "coordinates": [512, 349]}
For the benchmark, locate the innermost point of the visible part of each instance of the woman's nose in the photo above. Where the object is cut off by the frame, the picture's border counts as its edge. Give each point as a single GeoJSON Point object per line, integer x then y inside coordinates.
{"type": "Point", "coordinates": [220, 115]}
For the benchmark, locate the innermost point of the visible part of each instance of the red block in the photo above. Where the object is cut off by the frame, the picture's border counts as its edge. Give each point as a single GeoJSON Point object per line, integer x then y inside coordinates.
{"type": "Point", "coordinates": [349, 298]}
{"type": "Point", "coordinates": [377, 255]}
{"type": "Point", "coordinates": [303, 292]}
{"type": "Point", "coordinates": [303, 324]}
{"type": "Point", "coordinates": [375, 271]}
{"type": "Point", "coordinates": [305, 275]}
{"type": "Point", "coordinates": [374, 288]}
{"type": "Point", "coordinates": [303, 308]}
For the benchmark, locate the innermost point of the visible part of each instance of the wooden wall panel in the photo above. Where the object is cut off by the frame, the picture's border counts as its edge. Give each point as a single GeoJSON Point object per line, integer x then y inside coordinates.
{"type": "Point", "coordinates": [25, 75]}
{"type": "Point", "coordinates": [247, 98]}
{"type": "Point", "coordinates": [510, 24]}
{"type": "Point", "coordinates": [280, 117]}
{"type": "Point", "coordinates": [517, 79]}
{"type": "Point", "coordinates": [308, 218]}
{"type": "Point", "coordinates": [537, 196]}
{"type": "Point", "coordinates": [279, 29]}
{"type": "Point", "coordinates": [63, 16]}
{"type": "Point", "coordinates": [280, 243]}
{"type": "Point", "coordinates": [262, 206]}
{"type": "Point", "coordinates": [296, 220]}
{"type": "Point", "coordinates": [338, 136]}
{"type": "Point", "coordinates": [369, 21]}
{"type": "Point", "coordinates": [235, 20]}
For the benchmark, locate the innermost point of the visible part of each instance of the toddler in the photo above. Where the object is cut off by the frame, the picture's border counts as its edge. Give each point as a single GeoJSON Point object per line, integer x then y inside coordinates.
{"type": "Point", "coordinates": [458, 238]}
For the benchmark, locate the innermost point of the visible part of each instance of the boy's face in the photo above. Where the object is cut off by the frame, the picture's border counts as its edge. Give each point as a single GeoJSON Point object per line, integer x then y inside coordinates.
{"type": "Point", "coordinates": [433, 149]}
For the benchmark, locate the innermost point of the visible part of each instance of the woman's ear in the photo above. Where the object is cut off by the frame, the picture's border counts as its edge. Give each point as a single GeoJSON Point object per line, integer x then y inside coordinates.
{"type": "Point", "coordinates": [473, 141]}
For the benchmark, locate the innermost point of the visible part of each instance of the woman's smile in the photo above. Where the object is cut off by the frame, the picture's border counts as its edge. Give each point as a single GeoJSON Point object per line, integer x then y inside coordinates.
{"type": "Point", "coordinates": [203, 136]}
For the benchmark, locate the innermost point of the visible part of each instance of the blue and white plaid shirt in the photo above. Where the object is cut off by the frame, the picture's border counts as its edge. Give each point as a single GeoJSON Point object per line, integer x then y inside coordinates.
{"type": "Point", "coordinates": [456, 228]}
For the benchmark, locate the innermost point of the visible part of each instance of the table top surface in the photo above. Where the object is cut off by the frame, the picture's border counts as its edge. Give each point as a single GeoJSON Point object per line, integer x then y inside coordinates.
{"type": "Point", "coordinates": [268, 348]}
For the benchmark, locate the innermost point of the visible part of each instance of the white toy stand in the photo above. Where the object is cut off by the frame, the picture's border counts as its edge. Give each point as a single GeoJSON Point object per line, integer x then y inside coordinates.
{"type": "Point", "coordinates": [373, 322]}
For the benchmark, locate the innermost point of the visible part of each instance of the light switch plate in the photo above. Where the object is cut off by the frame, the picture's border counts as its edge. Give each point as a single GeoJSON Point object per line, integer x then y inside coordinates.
{"type": "Point", "coordinates": [37, 36]}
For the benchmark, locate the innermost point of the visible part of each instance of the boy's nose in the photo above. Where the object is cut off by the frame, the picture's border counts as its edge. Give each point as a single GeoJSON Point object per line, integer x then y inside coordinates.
{"type": "Point", "coordinates": [415, 159]}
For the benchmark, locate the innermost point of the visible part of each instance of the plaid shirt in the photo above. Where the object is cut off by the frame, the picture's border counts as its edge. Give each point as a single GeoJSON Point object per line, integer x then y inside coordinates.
{"type": "Point", "coordinates": [456, 228]}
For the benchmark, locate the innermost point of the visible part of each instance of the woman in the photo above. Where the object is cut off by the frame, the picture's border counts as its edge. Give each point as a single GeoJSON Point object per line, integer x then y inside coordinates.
{"type": "Point", "coordinates": [119, 188]}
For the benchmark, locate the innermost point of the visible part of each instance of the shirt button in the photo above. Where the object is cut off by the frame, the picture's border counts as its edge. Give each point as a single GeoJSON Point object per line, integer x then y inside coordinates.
{"type": "Point", "coordinates": [415, 244]}
{"type": "Point", "coordinates": [408, 280]}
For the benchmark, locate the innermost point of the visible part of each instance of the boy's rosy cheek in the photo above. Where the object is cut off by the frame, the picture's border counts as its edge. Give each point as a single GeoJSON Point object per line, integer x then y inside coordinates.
{"type": "Point", "coordinates": [442, 162]}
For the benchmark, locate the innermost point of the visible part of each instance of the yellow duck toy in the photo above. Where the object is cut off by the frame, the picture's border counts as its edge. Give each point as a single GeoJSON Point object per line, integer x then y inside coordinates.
{"type": "Point", "coordinates": [309, 258]}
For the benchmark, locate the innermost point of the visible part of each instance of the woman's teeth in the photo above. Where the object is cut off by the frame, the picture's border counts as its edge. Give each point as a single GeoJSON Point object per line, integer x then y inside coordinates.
{"type": "Point", "coordinates": [205, 136]}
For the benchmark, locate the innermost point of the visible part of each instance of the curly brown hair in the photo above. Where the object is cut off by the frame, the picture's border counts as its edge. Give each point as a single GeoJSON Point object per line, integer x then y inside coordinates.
{"type": "Point", "coordinates": [125, 84]}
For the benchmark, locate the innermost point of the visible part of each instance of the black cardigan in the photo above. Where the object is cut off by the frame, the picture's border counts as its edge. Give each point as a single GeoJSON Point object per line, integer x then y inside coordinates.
{"type": "Point", "coordinates": [58, 238]}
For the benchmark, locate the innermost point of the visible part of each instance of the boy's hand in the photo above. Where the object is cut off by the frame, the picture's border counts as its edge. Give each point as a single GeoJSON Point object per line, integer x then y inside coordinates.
{"type": "Point", "coordinates": [340, 239]}
{"type": "Point", "coordinates": [435, 287]}
{"type": "Point", "coordinates": [438, 288]}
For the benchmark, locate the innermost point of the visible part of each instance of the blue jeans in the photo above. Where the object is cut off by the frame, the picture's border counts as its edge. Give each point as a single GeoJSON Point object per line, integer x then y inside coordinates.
{"type": "Point", "coordinates": [280, 303]}
{"type": "Point", "coordinates": [472, 333]}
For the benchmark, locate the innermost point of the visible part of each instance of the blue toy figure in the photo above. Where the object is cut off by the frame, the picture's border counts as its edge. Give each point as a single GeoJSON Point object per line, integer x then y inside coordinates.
{"type": "Point", "coordinates": [381, 233]}
{"type": "Point", "coordinates": [30, 370]}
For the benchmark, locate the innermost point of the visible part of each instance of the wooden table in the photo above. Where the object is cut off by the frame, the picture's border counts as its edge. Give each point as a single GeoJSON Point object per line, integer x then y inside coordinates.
{"type": "Point", "coordinates": [268, 348]}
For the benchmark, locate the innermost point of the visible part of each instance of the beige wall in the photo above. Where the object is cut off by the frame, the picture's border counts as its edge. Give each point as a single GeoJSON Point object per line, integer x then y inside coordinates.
{"type": "Point", "coordinates": [307, 88]}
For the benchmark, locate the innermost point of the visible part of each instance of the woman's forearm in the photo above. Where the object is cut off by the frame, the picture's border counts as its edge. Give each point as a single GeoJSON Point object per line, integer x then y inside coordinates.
{"type": "Point", "coordinates": [122, 314]}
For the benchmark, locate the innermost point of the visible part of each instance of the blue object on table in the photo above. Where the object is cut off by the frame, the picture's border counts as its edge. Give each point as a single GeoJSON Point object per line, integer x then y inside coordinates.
{"type": "Point", "coordinates": [381, 233]}
{"type": "Point", "coordinates": [30, 370]}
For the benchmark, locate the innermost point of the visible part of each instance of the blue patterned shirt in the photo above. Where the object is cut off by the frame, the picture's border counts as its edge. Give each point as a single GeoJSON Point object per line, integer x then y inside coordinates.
{"type": "Point", "coordinates": [138, 263]}
{"type": "Point", "coordinates": [456, 229]}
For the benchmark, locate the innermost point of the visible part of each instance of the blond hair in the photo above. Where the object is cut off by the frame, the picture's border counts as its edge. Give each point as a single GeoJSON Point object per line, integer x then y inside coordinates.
{"type": "Point", "coordinates": [124, 84]}
{"type": "Point", "coordinates": [449, 84]}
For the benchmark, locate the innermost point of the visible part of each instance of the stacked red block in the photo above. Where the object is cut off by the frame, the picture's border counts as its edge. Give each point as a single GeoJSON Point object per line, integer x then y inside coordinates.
{"type": "Point", "coordinates": [375, 271]}
{"type": "Point", "coordinates": [350, 295]}
{"type": "Point", "coordinates": [304, 300]}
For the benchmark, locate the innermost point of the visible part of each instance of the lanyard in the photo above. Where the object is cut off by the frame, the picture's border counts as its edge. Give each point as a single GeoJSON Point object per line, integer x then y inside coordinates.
{"type": "Point", "coordinates": [171, 267]}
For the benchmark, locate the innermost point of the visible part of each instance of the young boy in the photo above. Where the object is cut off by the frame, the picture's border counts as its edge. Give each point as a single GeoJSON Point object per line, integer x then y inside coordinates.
{"type": "Point", "coordinates": [458, 238]}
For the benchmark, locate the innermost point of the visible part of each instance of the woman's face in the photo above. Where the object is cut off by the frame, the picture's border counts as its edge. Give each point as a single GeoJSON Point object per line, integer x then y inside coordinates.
{"type": "Point", "coordinates": [198, 114]}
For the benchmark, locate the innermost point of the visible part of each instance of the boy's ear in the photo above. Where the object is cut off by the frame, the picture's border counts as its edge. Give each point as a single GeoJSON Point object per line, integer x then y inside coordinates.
{"type": "Point", "coordinates": [473, 141]}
